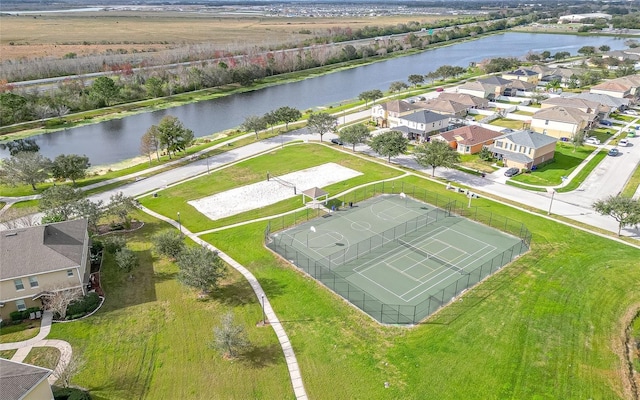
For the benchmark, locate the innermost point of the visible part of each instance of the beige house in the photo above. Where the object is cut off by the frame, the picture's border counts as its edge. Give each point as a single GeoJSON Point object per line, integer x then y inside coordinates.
{"type": "Point", "coordinates": [522, 74]}
{"type": "Point", "coordinates": [42, 259]}
{"type": "Point", "coordinates": [478, 89]}
{"type": "Point", "coordinates": [584, 105]}
{"type": "Point", "coordinates": [524, 149]}
{"type": "Point", "coordinates": [387, 114]}
{"type": "Point", "coordinates": [561, 121]}
{"type": "Point", "coordinates": [421, 124]}
{"type": "Point", "coordinates": [468, 139]}
{"type": "Point", "coordinates": [19, 381]}
{"type": "Point", "coordinates": [613, 89]}
{"type": "Point", "coordinates": [443, 106]}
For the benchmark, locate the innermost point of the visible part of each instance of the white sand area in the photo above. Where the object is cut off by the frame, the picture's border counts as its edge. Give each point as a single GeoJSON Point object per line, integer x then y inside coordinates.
{"type": "Point", "coordinates": [261, 194]}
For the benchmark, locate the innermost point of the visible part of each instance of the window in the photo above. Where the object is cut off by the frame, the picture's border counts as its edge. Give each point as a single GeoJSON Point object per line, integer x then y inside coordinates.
{"type": "Point", "coordinates": [20, 305]}
{"type": "Point", "coordinates": [69, 272]}
{"type": "Point", "coordinates": [19, 284]}
{"type": "Point", "coordinates": [546, 122]}
{"type": "Point", "coordinates": [468, 149]}
{"type": "Point", "coordinates": [499, 144]}
{"type": "Point", "coordinates": [33, 281]}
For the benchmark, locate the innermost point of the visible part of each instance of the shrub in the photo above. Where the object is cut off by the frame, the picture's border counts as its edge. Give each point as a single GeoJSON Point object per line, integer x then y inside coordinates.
{"type": "Point", "coordinates": [70, 394]}
{"type": "Point", "coordinates": [20, 315]}
{"type": "Point", "coordinates": [96, 247]}
{"type": "Point", "coordinates": [84, 305]}
{"type": "Point", "coordinates": [114, 243]}
{"type": "Point", "coordinates": [169, 243]}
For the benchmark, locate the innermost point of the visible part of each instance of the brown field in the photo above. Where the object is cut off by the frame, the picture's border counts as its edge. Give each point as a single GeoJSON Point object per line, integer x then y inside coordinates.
{"type": "Point", "coordinates": [54, 35]}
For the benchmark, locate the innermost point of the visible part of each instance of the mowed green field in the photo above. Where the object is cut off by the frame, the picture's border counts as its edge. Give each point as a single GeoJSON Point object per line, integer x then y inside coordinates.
{"type": "Point", "coordinates": [545, 327]}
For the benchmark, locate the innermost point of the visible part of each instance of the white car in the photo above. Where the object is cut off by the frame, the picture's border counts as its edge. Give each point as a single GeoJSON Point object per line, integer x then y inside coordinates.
{"type": "Point", "coordinates": [631, 112]}
{"type": "Point", "coordinates": [623, 143]}
{"type": "Point", "coordinates": [592, 140]}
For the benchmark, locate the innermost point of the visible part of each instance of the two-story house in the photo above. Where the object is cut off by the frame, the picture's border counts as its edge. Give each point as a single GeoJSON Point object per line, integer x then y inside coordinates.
{"type": "Point", "coordinates": [524, 149]}
{"type": "Point", "coordinates": [387, 114]}
{"type": "Point", "coordinates": [585, 105]}
{"type": "Point", "coordinates": [38, 260]}
{"type": "Point", "coordinates": [421, 124]}
{"type": "Point", "coordinates": [562, 121]}
{"type": "Point", "coordinates": [471, 101]}
{"type": "Point", "coordinates": [468, 139]}
{"type": "Point", "coordinates": [522, 74]}
{"type": "Point", "coordinates": [444, 106]}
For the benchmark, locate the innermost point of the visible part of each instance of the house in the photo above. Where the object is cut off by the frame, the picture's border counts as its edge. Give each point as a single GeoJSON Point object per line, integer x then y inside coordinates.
{"type": "Point", "coordinates": [471, 101]}
{"type": "Point", "coordinates": [39, 259]}
{"type": "Point", "coordinates": [520, 86]}
{"type": "Point", "coordinates": [387, 114]}
{"type": "Point", "coordinates": [613, 88]}
{"type": "Point", "coordinates": [421, 124]}
{"type": "Point", "coordinates": [561, 121]}
{"type": "Point", "coordinates": [478, 89]}
{"type": "Point", "coordinates": [501, 85]}
{"type": "Point", "coordinates": [522, 74]}
{"type": "Point", "coordinates": [579, 17]}
{"type": "Point", "coordinates": [444, 106]}
{"type": "Point", "coordinates": [468, 139]}
{"type": "Point", "coordinates": [584, 105]}
{"type": "Point", "coordinates": [19, 381]}
{"type": "Point", "coordinates": [607, 103]}
{"type": "Point", "coordinates": [524, 149]}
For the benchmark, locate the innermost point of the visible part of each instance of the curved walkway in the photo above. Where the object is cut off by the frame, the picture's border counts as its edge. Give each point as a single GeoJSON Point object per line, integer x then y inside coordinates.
{"type": "Point", "coordinates": [289, 355]}
{"type": "Point", "coordinates": [24, 347]}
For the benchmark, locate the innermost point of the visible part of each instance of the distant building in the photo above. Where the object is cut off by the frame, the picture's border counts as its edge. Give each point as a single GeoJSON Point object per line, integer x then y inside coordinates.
{"type": "Point", "coordinates": [579, 17]}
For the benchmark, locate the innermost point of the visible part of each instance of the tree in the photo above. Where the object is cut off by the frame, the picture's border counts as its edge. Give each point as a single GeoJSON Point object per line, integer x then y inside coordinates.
{"type": "Point", "coordinates": [103, 91]}
{"type": "Point", "coordinates": [114, 243]}
{"type": "Point", "coordinates": [59, 203]}
{"type": "Point", "coordinates": [168, 243]}
{"type": "Point", "coordinates": [545, 54]}
{"type": "Point", "coordinates": [415, 79]}
{"type": "Point", "coordinates": [389, 144]}
{"type": "Point", "coordinates": [75, 365]}
{"type": "Point", "coordinates": [322, 123]}
{"type": "Point", "coordinates": [577, 140]}
{"type": "Point", "coordinates": [272, 119]}
{"type": "Point", "coordinates": [121, 206]}
{"type": "Point", "coordinates": [14, 108]}
{"type": "Point", "coordinates": [355, 134]}
{"type": "Point", "coordinates": [25, 168]}
{"type": "Point", "coordinates": [604, 48]}
{"type": "Point", "coordinates": [70, 166]}
{"type": "Point", "coordinates": [254, 123]}
{"type": "Point", "coordinates": [625, 210]}
{"type": "Point", "coordinates": [93, 212]}
{"type": "Point", "coordinates": [59, 298]}
{"type": "Point", "coordinates": [587, 50]}
{"type": "Point", "coordinates": [370, 95]}
{"type": "Point", "coordinates": [436, 154]}
{"type": "Point", "coordinates": [485, 154]}
{"type": "Point", "coordinates": [230, 338]}
{"type": "Point", "coordinates": [287, 115]}
{"type": "Point", "coordinates": [20, 145]}
{"type": "Point", "coordinates": [200, 268]}
{"type": "Point", "coordinates": [150, 143]}
{"type": "Point", "coordinates": [397, 86]}
{"type": "Point", "coordinates": [561, 55]}
{"type": "Point", "coordinates": [173, 135]}
{"type": "Point", "coordinates": [126, 259]}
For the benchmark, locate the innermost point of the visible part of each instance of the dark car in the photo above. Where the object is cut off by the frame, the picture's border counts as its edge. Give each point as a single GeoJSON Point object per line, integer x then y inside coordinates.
{"type": "Point", "coordinates": [613, 152]}
{"type": "Point", "coordinates": [513, 171]}
{"type": "Point", "coordinates": [337, 141]}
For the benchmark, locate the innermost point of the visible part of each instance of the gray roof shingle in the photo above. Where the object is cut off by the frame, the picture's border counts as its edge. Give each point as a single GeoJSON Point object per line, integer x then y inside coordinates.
{"type": "Point", "coordinates": [18, 379]}
{"type": "Point", "coordinates": [425, 117]}
{"type": "Point", "coordinates": [529, 138]}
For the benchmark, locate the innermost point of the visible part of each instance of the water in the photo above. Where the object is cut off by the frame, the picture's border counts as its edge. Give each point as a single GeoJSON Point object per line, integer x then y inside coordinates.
{"type": "Point", "coordinates": [119, 139]}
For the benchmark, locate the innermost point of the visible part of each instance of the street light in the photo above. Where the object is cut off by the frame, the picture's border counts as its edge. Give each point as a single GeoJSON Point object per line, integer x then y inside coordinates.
{"type": "Point", "coordinates": [553, 193]}
{"type": "Point", "coordinates": [264, 315]}
{"type": "Point", "coordinates": [179, 223]}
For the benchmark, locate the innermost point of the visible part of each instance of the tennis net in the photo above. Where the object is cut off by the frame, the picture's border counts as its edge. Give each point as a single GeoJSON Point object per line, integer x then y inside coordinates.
{"type": "Point", "coordinates": [432, 257]}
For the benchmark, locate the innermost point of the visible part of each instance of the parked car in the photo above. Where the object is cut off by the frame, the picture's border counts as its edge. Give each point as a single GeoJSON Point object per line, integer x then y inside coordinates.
{"type": "Point", "coordinates": [439, 89]}
{"type": "Point", "coordinates": [631, 112]}
{"type": "Point", "coordinates": [613, 152]}
{"type": "Point", "coordinates": [513, 171]}
{"type": "Point", "coordinates": [337, 141]}
{"type": "Point", "coordinates": [606, 122]}
{"type": "Point", "coordinates": [623, 143]}
{"type": "Point", "coordinates": [592, 140]}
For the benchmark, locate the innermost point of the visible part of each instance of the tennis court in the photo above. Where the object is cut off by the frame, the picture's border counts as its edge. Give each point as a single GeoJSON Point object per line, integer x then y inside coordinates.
{"type": "Point", "coordinates": [393, 254]}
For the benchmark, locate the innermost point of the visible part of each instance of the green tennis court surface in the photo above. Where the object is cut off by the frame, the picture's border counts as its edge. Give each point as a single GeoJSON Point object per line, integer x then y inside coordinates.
{"type": "Point", "coordinates": [396, 258]}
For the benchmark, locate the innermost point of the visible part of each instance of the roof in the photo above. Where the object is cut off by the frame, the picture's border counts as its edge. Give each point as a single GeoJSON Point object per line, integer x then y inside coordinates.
{"type": "Point", "coordinates": [563, 114]}
{"type": "Point", "coordinates": [471, 135]}
{"type": "Point", "coordinates": [443, 106]}
{"type": "Point", "coordinates": [529, 138]}
{"type": "Point", "coordinates": [399, 106]}
{"type": "Point", "coordinates": [425, 117]}
{"type": "Point", "coordinates": [496, 80]}
{"type": "Point", "coordinates": [603, 99]}
{"type": "Point", "coordinates": [18, 379]}
{"type": "Point", "coordinates": [478, 86]}
{"type": "Point", "coordinates": [510, 155]}
{"type": "Point", "coordinates": [314, 193]}
{"type": "Point", "coordinates": [573, 102]}
{"type": "Point", "coordinates": [521, 72]}
{"type": "Point", "coordinates": [464, 98]}
{"type": "Point", "coordinates": [522, 85]}
{"type": "Point", "coordinates": [44, 248]}
{"type": "Point", "coordinates": [405, 129]}
{"type": "Point", "coordinates": [611, 87]}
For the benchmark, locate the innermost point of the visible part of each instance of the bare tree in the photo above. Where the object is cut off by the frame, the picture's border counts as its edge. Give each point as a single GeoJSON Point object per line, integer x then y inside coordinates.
{"type": "Point", "coordinates": [66, 373]}
{"type": "Point", "coordinates": [57, 299]}
{"type": "Point", "coordinates": [229, 338]}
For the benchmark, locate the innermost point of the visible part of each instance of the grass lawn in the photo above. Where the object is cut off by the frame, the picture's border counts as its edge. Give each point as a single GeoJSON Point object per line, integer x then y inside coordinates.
{"type": "Point", "coordinates": [173, 200]}
{"type": "Point", "coordinates": [17, 333]}
{"type": "Point", "coordinates": [473, 161]}
{"type": "Point", "coordinates": [584, 172]}
{"type": "Point", "coordinates": [151, 338]}
{"type": "Point", "coordinates": [542, 328]}
{"type": "Point", "coordinates": [508, 123]}
{"type": "Point", "coordinates": [7, 354]}
{"type": "Point", "coordinates": [566, 160]}
{"type": "Point", "coordinates": [45, 357]}
{"type": "Point", "coordinates": [632, 184]}
{"type": "Point", "coordinates": [602, 134]}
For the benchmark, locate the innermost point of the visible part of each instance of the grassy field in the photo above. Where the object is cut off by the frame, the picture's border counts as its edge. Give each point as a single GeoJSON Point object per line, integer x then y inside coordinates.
{"type": "Point", "coordinates": [632, 184]}
{"type": "Point", "coordinates": [584, 172]}
{"type": "Point", "coordinates": [254, 170]}
{"type": "Point", "coordinates": [151, 338]}
{"type": "Point", "coordinates": [54, 35]}
{"type": "Point", "coordinates": [46, 357]}
{"type": "Point", "coordinates": [566, 160]}
{"type": "Point", "coordinates": [542, 328]}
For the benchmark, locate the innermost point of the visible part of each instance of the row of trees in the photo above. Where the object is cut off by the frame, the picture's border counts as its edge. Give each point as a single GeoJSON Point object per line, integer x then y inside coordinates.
{"type": "Point", "coordinates": [285, 114]}
{"type": "Point", "coordinates": [27, 166]}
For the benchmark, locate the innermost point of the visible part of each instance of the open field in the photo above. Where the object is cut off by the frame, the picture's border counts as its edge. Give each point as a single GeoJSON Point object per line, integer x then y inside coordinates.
{"type": "Point", "coordinates": [54, 35]}
{"type": "Point", "coordinates": [546, 326]}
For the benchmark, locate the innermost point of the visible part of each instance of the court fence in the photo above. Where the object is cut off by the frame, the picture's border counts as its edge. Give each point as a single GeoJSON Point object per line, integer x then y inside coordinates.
{"type": "Point", "coordinates": [399, 314]}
